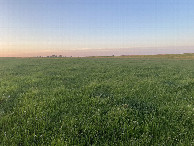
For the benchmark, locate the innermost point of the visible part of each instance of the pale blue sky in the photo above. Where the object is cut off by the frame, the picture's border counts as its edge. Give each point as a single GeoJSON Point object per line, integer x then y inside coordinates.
{"type": "Point", "coordinates": [52, 26]}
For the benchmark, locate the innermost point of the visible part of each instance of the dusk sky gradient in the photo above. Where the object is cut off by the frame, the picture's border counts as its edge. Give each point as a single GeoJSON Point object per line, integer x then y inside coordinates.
{"type": "Point", "coordinates": [96, 27]}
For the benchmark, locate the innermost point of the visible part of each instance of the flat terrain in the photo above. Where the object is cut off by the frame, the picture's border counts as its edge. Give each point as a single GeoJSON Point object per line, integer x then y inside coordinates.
{"type": "Point", "coordinates": [139, 100]}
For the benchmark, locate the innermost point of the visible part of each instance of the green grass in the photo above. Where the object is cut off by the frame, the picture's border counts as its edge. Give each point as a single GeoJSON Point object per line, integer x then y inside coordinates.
{"type": "Point", "coordinates": [96, 101]}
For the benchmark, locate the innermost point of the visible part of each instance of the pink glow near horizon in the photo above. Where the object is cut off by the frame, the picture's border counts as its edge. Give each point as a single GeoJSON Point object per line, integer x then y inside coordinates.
{"type": "Point", "coordinates": [98, 52]}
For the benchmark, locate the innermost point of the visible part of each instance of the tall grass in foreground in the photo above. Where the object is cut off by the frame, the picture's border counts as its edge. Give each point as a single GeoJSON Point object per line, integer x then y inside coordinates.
{"type": "Point", "coordinates": [96, 101]}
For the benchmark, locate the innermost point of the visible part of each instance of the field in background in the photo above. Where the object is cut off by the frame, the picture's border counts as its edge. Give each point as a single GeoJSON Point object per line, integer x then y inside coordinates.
{"type": "Point", "coordinates": [137, 100]}
{"type": "Point", "coordinates": [159, 56]}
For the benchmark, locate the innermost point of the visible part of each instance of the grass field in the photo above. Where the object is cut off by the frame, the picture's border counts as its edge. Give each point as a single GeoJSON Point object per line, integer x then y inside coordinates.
{"type": "Point", "coordinates": [97, 101]}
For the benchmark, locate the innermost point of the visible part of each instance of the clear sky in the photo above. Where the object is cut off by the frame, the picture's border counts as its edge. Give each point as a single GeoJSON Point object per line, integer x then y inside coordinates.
{"type": "Point", "coordinates": [89, 27]}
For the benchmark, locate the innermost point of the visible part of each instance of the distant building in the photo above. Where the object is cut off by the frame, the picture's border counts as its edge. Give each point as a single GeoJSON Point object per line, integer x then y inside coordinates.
{"type": "Point", "coordinates": [54, 56]}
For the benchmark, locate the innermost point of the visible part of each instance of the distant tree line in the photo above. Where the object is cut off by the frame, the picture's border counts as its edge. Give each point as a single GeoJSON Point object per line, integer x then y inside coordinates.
{"type": "Point", "coordinates": [53, 56]}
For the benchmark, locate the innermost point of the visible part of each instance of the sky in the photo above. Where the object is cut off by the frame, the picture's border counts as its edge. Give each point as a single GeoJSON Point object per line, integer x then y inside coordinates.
{"type": "Point", "coordinates": [95, 27]}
